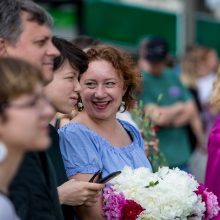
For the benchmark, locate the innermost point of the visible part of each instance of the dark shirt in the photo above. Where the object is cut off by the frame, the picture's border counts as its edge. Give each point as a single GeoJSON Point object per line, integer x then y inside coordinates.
{"type": "Point", "coordinates": [192, 136]}
{"type": "Point", "coordinates": [33, 191]}
{"type": "Point", "coordinates": [57, 161]}
{"type": "Point", "coordinates": [56, 157]}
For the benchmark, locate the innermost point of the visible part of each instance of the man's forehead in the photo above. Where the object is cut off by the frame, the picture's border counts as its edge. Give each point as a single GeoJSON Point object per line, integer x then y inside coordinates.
{"type": "Point", "coordinates": [34, 25]}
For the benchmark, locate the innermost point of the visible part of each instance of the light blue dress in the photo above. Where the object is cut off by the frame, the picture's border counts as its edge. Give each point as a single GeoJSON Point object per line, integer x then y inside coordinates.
{"type": "Point", "coordinates": [85, 151]}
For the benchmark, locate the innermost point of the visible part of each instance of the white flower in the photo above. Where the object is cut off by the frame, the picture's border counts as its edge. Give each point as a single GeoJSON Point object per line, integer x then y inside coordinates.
{"type": "Point", "coordinates": [165, 195]}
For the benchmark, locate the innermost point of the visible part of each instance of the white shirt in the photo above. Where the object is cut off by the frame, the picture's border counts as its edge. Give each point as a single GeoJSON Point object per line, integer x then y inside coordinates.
{"type": "Point", "coordinates": [126, 116]}
{"type": "Point", "coordinates": [205, 85]}
{"type": "Point", "coordinates": [7, 211]}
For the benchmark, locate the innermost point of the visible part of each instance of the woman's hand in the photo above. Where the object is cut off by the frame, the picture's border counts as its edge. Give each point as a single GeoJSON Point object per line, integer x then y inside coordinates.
{"type": "Point", "coordinates": [74, 193]}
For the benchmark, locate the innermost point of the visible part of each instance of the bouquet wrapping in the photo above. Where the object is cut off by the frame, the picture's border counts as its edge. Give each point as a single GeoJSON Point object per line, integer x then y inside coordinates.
{"type": "Point", "coordinates": [165, 195]}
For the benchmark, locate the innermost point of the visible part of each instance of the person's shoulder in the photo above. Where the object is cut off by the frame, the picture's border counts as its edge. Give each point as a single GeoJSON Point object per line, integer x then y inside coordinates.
{"type": "Point", "coordinates": [71, 127]}
{"type": "Point", "coordinates": [214, 136]}
{"type": "Point", "coordinates": [126, 116]}
{"type": "Point", "coordinates": [146, 75]}
{"type": "Point", "coordinates": [76, 129]}
{"type": "Point", "coordinates": [170, 75]}
{"type": "Point", "coordinates": [216, 126]}
{"type": "Point", "coordinates": [128, 126]}
{"type": "Point", "coordinates": [170, 72]}
{"type": "Point", "coordinates": [30, 159]}
{"type": "Point", "coordinates": [52, 129]}
{"type": "Point", "coordinates": [133, 131]}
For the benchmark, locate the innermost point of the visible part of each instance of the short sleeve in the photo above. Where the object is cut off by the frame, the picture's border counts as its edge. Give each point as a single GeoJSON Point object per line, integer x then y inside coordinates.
{"type": "Point", "coordinates": [79, 149]}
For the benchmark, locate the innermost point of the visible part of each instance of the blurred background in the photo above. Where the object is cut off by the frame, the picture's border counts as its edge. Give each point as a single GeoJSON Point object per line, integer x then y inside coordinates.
{"type": "Point", "coordinates": [126, 22]}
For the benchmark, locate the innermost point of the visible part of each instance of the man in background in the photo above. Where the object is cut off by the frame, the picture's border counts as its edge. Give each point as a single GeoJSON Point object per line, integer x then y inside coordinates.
{"type": "Point", "coordinates": [174, 110]}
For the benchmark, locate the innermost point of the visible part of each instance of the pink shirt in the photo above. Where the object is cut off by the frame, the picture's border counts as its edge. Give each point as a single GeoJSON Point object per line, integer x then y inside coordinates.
{"type": "Point", "coordinates": [212, 179]}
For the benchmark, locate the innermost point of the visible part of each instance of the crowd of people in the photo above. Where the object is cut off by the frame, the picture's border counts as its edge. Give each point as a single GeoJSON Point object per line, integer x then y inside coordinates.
{"type": "Point", "coordinates": [50, 169]}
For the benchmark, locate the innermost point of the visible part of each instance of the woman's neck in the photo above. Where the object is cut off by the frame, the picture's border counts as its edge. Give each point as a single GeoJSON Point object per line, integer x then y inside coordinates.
{"type": "Point", "coordinates": [111, 130]}
{"type": "Point", "coordinates": [8, 168]}
{"type": "Point", "coordinates": [93, 123]}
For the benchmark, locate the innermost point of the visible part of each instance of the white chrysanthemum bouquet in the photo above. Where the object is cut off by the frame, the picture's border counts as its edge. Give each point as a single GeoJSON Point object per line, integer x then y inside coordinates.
{"type": "Point", "coordinates": [165, 195]}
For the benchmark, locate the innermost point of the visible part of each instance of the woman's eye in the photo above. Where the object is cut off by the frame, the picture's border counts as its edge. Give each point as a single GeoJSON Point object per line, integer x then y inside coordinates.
{"type": "Point", "coordinates": [90, 85]}
{"type": "Point", "coordinates": [110, 84]}
{"type": "Point", "coordinates": [70, 78]}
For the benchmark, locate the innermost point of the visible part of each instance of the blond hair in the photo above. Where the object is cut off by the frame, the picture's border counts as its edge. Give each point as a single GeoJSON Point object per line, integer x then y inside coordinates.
{"type": "Point", "coordinates": [215, 97]}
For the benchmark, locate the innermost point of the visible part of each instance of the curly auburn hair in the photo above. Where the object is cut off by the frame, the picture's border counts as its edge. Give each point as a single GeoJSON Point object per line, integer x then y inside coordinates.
{"type": "Point", "coordinates": [124, 66]}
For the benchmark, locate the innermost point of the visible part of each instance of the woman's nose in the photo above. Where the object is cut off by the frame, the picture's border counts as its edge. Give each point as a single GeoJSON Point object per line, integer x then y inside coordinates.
{"type": "Point", "coordinates": [77, 86]}
{"type": "Point", "coordinates": [100, 91]}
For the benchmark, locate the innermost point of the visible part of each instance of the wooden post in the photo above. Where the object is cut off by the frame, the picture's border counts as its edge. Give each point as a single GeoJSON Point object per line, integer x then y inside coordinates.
{"type": "Point", "coordinates": [189, 11]}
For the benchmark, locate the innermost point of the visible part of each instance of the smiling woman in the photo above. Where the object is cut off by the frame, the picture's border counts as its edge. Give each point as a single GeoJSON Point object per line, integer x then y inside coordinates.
{"type": "Point", "coordinates": [67, 68]}
{"type": "Point", "coordinates": [24, 118]}
{"type": "Point", "coordinates": [96, 140]}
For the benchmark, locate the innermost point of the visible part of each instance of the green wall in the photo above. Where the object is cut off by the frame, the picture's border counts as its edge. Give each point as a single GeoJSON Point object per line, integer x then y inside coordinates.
{"type": "Point", "coordinates": [126, 24]}
{"type": "Point", "coordinates": [208, 32]}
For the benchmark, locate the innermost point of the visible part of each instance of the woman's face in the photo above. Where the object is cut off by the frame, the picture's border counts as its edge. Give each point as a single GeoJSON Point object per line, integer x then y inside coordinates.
{"type": "Point", "coordinates": [101, 90]}
{"type": "Point", "coordinates": [64, 88]}
{"type": "Point", "coordinates": [212, 61]}
{"type": "Point", "coordinates": [26, 124]}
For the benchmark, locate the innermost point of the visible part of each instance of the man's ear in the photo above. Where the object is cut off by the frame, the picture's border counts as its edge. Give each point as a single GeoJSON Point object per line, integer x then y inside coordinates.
{"type": "Point", "coordinates": [2, 47]}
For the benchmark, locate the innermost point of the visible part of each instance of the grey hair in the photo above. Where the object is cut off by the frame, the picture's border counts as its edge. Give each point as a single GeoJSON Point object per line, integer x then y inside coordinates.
{"type": "Point", "coordinates": [10, 22]}
{"type": "Point", "coordinates": [10, 17]}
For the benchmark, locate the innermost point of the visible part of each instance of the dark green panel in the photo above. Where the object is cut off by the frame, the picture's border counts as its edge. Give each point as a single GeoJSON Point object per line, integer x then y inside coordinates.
{"type": "Point", "coordinates": [120, 22]}
{"type": "Point", "coordinates": [63, 17]}
{"type": "Point", "coordinates": [208, 32]}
